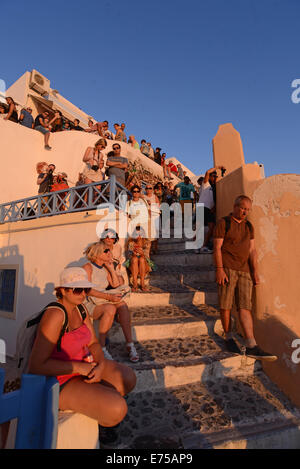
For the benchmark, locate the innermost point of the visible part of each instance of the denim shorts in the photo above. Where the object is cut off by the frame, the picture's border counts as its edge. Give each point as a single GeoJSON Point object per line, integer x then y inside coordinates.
{"type": "Point", "coordinates": [42, 129]}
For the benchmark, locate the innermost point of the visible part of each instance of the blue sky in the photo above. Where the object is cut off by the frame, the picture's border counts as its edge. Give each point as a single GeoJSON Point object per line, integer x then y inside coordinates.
{"type": "Point", "coordinates": [173, 71]}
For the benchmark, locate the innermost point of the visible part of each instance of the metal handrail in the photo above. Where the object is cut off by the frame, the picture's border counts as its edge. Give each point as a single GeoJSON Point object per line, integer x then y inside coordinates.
{"type": "Point", "coordinates": [74, 199]}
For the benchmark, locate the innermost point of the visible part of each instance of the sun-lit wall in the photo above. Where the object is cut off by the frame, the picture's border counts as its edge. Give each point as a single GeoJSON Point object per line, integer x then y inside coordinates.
{"type": "Point", "coordinates": [22, 148]}
{"type": "Point", "coordinates": [276, 219]}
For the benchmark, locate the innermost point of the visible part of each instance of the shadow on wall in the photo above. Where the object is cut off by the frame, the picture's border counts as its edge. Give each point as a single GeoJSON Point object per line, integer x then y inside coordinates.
{"type": "Point", "coordinates": [284, 342]}
{"type": "Point", "coordinates": [30, 298]}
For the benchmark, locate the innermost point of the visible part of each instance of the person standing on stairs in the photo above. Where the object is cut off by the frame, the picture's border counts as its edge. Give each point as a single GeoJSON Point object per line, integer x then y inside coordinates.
{"type": "Point", "coordinates": [236, 270]}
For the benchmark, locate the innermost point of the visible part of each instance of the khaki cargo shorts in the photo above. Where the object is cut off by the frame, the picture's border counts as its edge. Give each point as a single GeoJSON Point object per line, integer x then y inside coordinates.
{"type": "Point", "coordinates": [239, 287]}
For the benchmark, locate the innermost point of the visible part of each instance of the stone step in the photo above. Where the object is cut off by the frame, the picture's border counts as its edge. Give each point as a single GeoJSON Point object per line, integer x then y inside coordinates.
{"type": "Point", "coordinates": [240, 411]}
{"type": "Point", "coordinates": [183, 259]}
{"type": "Point", "coordinates": [179, 295]}
{"type": "Point", "coordinates": [172, 321]}
{"type": "Point", "coordinates": [170, 245]}
{"type": "Point", "coordinates": [182, 275]}
{"type": "Point", "coordinates": [171, 362]}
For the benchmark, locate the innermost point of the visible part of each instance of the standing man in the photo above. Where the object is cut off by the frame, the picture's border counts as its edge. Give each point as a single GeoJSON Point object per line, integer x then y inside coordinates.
{"type": "Point", "coordinates": [236, 272]}
{"type": "Point", "coordinates": [117, 164]}
{"type": "Point", "coordinates": [186, 190]}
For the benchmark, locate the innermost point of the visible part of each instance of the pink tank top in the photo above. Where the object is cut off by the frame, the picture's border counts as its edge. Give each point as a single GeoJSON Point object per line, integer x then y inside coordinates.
{"type": "Point", "coordinates": [73, 345]}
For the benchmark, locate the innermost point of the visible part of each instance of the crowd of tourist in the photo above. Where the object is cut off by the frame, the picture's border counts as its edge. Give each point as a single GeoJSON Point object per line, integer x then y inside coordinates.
{"type": "Point", "coordinates": [84, 365]}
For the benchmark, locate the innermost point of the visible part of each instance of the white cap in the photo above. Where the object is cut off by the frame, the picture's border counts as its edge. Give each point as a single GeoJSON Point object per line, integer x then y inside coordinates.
{"type": "Point", "coordinates": [74, 277]}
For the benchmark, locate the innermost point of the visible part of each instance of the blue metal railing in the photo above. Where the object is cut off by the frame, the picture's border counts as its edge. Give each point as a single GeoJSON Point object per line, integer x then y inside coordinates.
{"type": "Point", "coordinates": [35, 405]}
{"type": "Point", "coordinates": [74, 199]}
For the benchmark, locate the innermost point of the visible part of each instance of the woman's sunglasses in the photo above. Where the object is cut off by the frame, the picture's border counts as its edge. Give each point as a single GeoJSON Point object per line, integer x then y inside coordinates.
{"type": "Point", "coordinates": [79, 291]}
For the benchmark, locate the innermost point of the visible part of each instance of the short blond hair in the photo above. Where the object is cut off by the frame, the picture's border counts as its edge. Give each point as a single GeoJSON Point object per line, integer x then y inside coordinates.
{"type": "Point", "coordinates": [93, 251]}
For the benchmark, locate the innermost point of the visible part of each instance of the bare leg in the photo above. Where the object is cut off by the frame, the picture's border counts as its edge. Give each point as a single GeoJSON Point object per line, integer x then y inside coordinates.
{"type": "Point", "coordinates": [98, 401]}
{"type": "Point", "coordinates": [226, 320]}
{"type": "Point", "coordinates": [47, 137]}
{"type": "Point", "coordinates": [247, 324]}
{"type": "Point", "coordinates": [125, 321]}
{"type": "Point", "coordinates": [106, 314]}
{"type": "Point", "coordinates": [143, 270]}
{"type": "Point", "coordinates": [134, 268]}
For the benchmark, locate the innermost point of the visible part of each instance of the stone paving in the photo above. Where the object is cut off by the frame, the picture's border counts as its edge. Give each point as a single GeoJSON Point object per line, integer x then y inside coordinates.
{"type": "Point", "coordinates": [174, 352]}
{"type": "Point", "coordinates": [146, 314]}
{"type": "Point", "coordinates": [164, 419]}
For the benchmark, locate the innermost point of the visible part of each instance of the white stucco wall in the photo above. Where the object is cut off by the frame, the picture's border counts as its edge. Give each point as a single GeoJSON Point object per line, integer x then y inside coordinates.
{"type": "Point", "coordinates": [42, 249]}
{"type": "Point", "coordinates": [21, 148]}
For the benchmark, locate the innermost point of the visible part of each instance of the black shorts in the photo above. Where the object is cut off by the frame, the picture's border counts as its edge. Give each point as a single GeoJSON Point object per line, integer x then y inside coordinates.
{"type": "Point", "coordinates": [209, 217]}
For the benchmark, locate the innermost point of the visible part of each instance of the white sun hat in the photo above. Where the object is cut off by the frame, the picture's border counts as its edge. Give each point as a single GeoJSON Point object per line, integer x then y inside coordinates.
{"type": "Point", "coordinates": [74, 277]}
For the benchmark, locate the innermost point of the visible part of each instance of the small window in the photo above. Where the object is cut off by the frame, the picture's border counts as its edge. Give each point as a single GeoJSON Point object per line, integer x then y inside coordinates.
{"type": "Point", "coordinates": [8, 288]}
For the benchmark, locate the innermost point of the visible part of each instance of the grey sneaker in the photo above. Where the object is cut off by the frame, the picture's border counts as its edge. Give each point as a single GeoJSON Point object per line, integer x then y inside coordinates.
{"type": "Point", "coordinates": [47, 147]}
{"type": "Point", "coordinates": [259, 354]}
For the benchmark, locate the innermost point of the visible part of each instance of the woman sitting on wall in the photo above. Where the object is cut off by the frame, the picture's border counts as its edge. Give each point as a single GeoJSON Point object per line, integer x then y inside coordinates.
{"type": "Point", "coordinates": [89, 384]}
{"type": "Point", "coordinates": [106, 299]}
{"type": "Point", "coordinates": [12, 114]}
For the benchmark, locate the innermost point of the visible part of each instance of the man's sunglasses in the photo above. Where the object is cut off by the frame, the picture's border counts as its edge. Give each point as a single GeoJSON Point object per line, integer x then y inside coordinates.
{"type": "Point", "coordinates": [135, 191]}
{"type": "Point", "coordinates": [116, 148]}
{"type": "Point", "coordinates": [149, 188]}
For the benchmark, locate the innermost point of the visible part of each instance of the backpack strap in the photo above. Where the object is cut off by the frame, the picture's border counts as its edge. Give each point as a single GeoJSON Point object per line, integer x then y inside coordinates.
{"type": "Point", "coordinates": [227, 223]}
{"type": "Point", "coordinates": [82, 309]}
{"type": "Point", "coordinates": [37, 319]}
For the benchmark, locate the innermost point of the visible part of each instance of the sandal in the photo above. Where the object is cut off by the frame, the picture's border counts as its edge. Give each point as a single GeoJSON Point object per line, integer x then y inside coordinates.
{"type": "Point", "coordinates": [133, 355]}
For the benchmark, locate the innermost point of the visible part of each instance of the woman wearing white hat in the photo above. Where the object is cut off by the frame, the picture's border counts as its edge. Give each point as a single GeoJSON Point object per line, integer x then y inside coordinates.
{"type": "Point", "coordinates": [89, 383]}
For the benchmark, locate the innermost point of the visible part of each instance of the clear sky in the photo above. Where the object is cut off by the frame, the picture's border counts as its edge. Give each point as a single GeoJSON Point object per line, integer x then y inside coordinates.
{"type": "Point", "coordinates": [172, 70]}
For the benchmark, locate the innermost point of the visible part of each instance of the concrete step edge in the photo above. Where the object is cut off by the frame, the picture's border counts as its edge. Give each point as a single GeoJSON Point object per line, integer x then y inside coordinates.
{"type": "Point", "coordinates": [270, 435]}
{"type": "Point", "coordinates": [177, 298]}
{"type": "Point", "coordinates": [168, 330]}
{"type": "Point", "coordinates": [173, 376]}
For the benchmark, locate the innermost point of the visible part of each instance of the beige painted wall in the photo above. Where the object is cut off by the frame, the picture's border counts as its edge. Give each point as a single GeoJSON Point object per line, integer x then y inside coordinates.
{"type": "Point", "coordinates": [22, 148]}
{"type": "Point", "coordinates": [276, 219]}
{"type": "Point", "coordinates": [42, 248]}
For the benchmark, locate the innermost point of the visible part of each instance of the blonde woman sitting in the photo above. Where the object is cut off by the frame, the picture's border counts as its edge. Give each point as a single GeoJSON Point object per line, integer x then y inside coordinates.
{"type": "Point", "coordinates": [103, 303]}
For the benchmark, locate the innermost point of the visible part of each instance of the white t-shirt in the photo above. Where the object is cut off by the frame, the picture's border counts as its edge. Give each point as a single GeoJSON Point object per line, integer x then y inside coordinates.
{"type": "Point", "coordinates": [207, 196]}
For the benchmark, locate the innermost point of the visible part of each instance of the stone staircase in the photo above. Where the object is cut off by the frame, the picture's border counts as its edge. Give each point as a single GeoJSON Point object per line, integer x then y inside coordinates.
{"type": "Point", "coordinates": [191, 393]}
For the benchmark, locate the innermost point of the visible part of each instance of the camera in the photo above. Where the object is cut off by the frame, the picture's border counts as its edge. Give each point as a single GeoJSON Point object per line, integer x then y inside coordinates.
{"type": "Point", "coordinates": [95, 167]}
